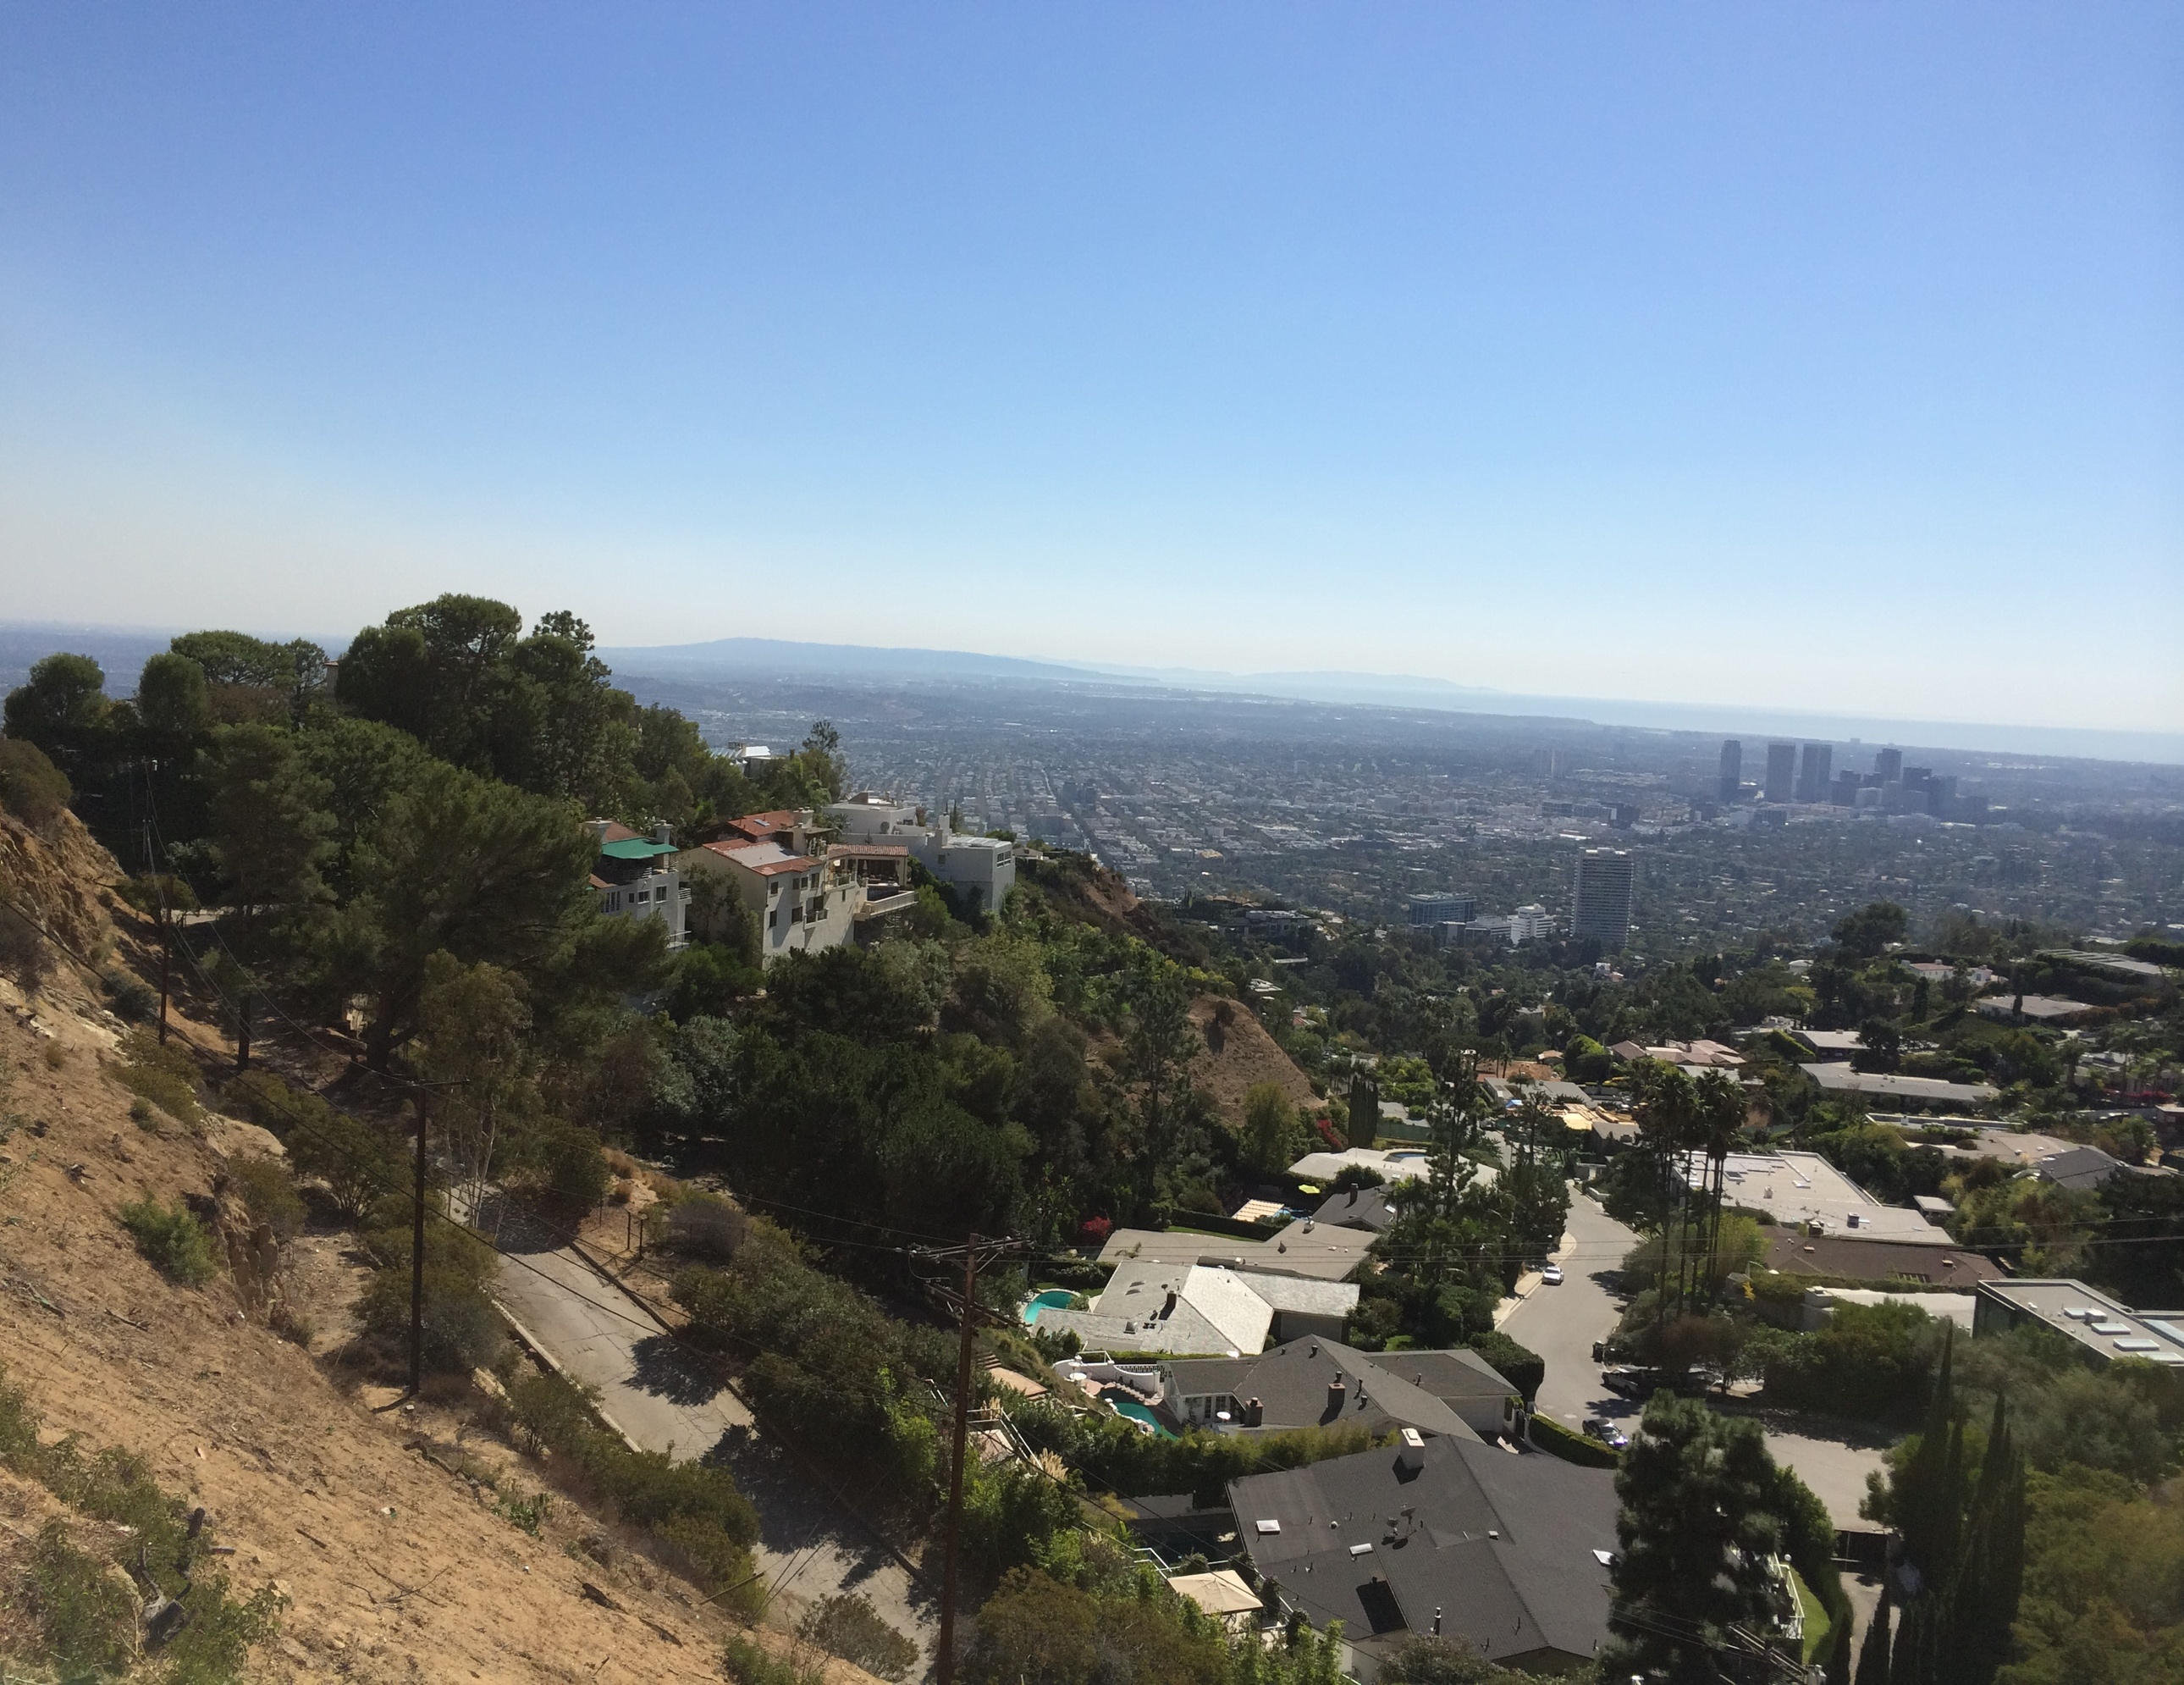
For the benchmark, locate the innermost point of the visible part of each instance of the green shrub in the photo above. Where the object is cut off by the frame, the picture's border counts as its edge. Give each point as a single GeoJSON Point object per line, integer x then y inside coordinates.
{"type": "Point", "coordinates": [1429, 1659]}
{"type": "Point", "coordinates": [747, 1664]}
{"type": "Point", "coordinates": [217, 1632]}
{"type": "Point", "coordinates": [462, 1330]}
{"type": "Point", "coordinates": [172, 1240]}
{"type": "Point", "coordinates": [85, 1618]}
{"type": "Point", "coordinates": [31, 788]}
{"type": "Point", "coordinates": [694, 1507]}
{"type": "Point", "coordinates": [704, 1226]}
{"type": "Point", "coordinates": [1112, 1455]}
{"type": "Point", "coordinates": [833, 1367]}
{"type": "Point", "coordinates": [569, 1163]}
{"type": "Point", "coordinates": [167, 1076]}
{"type": "Point", "coordinates": [1874, 1362]}
{"type": "Point", "coordinates": [269, 1193]}
{"type": "Point", "coordinates": [358, 1162]}
{"type": "Point", "coordinates": [131, 999]}
{"type": "Point", "coordinates": [846, 1625]}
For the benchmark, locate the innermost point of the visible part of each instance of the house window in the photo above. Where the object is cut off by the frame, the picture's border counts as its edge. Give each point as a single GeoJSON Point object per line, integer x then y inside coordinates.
{"type": "Point", "coordinates": [640, 895]}
{"type": "Point", "coordinates": [614, 903]}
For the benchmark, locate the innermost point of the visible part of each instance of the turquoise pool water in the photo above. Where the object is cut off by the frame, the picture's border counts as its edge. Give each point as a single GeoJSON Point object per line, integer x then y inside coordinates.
{"type": "Point", "coordinates": [1131, 1408]}
{"type": "Point", "coordinates": [1054, 1299]}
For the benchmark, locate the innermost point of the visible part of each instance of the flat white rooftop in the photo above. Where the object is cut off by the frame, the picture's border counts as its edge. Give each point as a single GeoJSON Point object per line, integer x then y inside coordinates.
{"type": "Point", "coordinates": [1803, 1187]}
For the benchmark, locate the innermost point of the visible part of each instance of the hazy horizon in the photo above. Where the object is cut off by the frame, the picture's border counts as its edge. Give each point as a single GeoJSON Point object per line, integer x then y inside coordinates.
{"type": "Point", "coordinates": [21, 641]}
{"type": "Point", "coordinates": [1821, 363]}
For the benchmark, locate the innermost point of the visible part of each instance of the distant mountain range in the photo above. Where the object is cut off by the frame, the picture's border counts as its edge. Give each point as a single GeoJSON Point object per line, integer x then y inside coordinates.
{"type": "Point", "coordinates": [734, 658]}
{"type": "Point", "coordinates": [729, 659]}
{"type": "Point", "coordinates": [122, 650]}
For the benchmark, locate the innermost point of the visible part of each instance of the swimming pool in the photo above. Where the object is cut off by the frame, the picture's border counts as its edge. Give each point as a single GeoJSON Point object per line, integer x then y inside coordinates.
{"type": "Point", "coordinates": [1129, 1406]}
{"type": "Point", "coordinates": [1054, 1299]}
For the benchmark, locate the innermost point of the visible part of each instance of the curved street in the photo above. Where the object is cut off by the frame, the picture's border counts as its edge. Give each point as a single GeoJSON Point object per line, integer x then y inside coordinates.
{"type": "Point", "coordinates": [1561, 1323]}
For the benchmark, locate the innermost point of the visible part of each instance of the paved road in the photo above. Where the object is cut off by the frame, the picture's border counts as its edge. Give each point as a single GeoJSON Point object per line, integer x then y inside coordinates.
{"type": "Point", "coordinates": [809, 1546]}
{"type": "Point", "coordinates": [1560, 1324]}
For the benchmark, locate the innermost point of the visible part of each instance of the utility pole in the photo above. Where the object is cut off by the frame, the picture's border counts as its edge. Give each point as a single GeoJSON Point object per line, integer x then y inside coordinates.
{"type": "Point", "coordinates": [417, 1264]}
{"type": "Point", "coordinates": [975, 1254]}
{"type": "Point", "coordinates": [166, 929]}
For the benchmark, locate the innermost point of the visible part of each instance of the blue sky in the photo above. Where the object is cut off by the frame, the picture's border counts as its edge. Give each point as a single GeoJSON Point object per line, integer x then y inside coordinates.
{"type": "Point", "coordinates": [1827, 357]}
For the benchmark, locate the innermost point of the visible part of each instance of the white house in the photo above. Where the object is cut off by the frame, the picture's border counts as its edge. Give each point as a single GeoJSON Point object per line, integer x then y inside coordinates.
{"type": "Point", "coordinates": [637, 877]}
{"type": "Point", "coordinates": [980, 870]}
{"type": "Point", "coordinates": [804, 905]}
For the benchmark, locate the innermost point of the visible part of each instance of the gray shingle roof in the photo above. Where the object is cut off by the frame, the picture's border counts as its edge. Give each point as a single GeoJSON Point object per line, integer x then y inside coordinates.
{"type": "Point", "coordinates": [1504, 1547]}
{"type": "Point", "coordinates": [2079, 1166]}
{"type": "Point", "coordinates": [1358, 1208]}
{"type": "Point", "coordinates": [1291, 1382]}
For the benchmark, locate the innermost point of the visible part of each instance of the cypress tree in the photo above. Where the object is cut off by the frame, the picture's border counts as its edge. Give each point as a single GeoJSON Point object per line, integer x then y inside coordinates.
{"type": "Point", "coordinates": [1924, 1499]}
{"type": "Point", "coordinates": [1873, 1652]}
{"type": "Point", "coordinates": [1985, 1595]}
{"type": "Point", "coordinates": [1919, 1641]}
{"type": "Point", "coordinates": [1837, 1670]}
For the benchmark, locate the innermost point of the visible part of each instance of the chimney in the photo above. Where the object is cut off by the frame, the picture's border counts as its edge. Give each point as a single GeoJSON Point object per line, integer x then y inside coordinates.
{"type": "Point", "coordinates": [663, 834]}
{"type": "Point", "coordinates": [1167, 1308]}
{"type": "Point", "coordinates": [1338, 1394]}
{"type": "Point", "coordinates": [1411, 1451]}
{"type": "Point", "coordinates": [1353, 1196]}
{"type": "Point", "coordinates": [1255, 1413]}
{"type": "Point", "coordinates": [598, 827]}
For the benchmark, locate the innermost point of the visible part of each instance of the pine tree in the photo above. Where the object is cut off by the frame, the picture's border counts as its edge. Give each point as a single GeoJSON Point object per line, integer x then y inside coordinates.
{"type": "Point", "coordinates": [1873, 1652]}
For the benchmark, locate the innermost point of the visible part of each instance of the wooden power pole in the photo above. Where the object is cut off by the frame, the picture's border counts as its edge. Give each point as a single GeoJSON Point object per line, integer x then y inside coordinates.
{"type": "Point", "coordinates": [974, 1255]}
{"type": "Point", "coordinates": [417, 1264]}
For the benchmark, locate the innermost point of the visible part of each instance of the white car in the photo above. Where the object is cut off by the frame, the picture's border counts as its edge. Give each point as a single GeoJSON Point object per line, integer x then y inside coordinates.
{"type": "Point", "coordinates": [1552, 1276]}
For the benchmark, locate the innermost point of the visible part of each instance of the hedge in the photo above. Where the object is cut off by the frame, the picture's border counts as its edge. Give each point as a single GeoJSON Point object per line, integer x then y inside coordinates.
{"type": "Point", "coordinates": [1550, 1435]}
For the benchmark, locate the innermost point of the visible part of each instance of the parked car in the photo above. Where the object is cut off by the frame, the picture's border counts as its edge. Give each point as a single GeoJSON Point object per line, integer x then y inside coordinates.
{"type": "Point", "coordinates": [1607, 1433]}
{"type": "Point", "coordinates": [1552, 1276]}
{"type": "Point", "coordinates": [1629, 1382]}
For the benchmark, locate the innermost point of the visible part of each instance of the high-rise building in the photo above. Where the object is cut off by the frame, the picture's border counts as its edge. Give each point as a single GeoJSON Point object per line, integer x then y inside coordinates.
{"type": "Point", "coordinates": [1781, 772]}
{"type": "Point", "coordinates": [1602, 906]}
{"type": "Point", "coordinates": [1889, 763]}
{"type": "Point", "coordinates": [1813, 771]}
{"type": "Point", "coordinates": [1732, 769]}
{"type": "Point", "coordinates": [1530, 924]}
{"type": "Point", "coordinates": [1432, 908]}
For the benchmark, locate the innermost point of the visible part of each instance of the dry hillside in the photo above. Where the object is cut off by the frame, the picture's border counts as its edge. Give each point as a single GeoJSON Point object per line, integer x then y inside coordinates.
{"type": "Point", "coordinates": [1238, 1055]}
{"type": "Point", "coordinates": [396, 1560]}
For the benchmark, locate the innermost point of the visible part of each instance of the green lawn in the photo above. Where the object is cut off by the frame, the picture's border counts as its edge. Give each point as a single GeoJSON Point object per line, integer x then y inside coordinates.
{"type": "Point", "coordinates": [1817, 1628]}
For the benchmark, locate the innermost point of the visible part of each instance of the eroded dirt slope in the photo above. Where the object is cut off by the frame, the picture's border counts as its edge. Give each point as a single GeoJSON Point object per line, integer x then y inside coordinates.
{"type": "Point", "coordinates": [397, 1567]}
